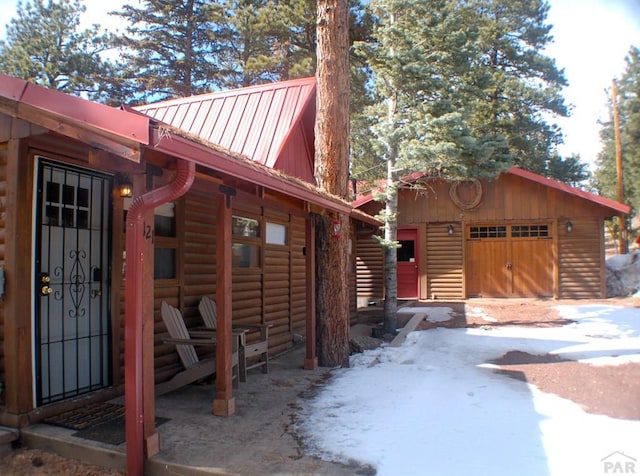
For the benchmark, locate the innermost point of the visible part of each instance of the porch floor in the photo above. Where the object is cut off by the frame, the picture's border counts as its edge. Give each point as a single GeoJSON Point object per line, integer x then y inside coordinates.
{"type": "Point", "coordinates": [258, 439]}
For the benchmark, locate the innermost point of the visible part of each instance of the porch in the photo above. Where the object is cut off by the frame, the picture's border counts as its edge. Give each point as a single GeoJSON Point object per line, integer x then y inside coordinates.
{"type": "Point", "coordinates": [257, 439]}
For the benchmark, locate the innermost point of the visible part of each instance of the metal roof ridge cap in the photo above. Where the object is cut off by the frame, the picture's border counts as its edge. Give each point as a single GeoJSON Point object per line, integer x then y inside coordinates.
{"type": "Point", "coordinates": [253, 89]}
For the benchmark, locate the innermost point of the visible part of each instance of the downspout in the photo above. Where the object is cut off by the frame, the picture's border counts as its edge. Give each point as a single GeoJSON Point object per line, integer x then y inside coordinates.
{"type": "Point", "coordinates": [133, 348]}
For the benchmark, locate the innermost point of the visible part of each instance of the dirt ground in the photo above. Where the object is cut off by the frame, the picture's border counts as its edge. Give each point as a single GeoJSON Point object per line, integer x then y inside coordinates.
{"type": "Point", "coordinates": [606, 390]}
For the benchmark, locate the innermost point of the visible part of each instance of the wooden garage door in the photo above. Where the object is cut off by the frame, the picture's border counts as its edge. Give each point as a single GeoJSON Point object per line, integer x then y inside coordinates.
{"type": "Point", "coordinates": [509, 260]}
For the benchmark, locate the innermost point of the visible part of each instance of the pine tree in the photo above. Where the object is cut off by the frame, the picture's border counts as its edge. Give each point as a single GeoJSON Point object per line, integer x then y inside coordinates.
{"type": "Point", "coordinates": [520, 86]}
{"type": "Point", "coordinates": [167, 48]}
{"type": "Point", "coordinates": [331, 173]}
{"type": "Point", "coordinates": [629, 113]}
{"type": "Point", "coordinates": [419, 58]}
{"type": "Point", "coordinates": [45, 46]}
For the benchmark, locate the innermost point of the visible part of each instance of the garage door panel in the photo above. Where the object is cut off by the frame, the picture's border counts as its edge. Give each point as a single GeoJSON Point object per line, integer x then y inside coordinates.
{"type": "Point", "coordinates": [486, 268]}
{"type": "Point", "coordinates": [532, 268]}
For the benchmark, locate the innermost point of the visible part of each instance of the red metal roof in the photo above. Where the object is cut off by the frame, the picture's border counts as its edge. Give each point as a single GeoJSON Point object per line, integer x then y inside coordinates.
{"type": "Point", "coordinates": [64, 114]}
{"type": "Point", "coordinates": [125, 132]}
{"type": "Point", "coordinates": [592, 197]}
{"type": "Point", "coordinates": [256, 121]}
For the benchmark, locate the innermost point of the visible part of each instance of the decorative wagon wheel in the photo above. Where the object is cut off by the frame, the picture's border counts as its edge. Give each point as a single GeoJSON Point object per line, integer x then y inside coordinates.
{"type": "Point", "coordinates": [453, 193]}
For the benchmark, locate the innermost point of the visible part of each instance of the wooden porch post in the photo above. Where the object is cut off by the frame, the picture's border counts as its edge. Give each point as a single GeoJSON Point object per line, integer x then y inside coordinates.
{"type": "Point", "coordinates": [311, 355]}
{"type": "Point", "coordinates": [224, 402]}
{"type": "Point", "coordinates": [18, 388]}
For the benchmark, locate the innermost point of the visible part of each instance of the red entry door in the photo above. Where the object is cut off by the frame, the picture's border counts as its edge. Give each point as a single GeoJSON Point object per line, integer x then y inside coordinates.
{"type": "Point", "coordinates": [408, 264]}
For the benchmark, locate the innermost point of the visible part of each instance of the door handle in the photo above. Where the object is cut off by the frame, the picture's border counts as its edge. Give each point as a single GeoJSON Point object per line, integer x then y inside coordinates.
{"type": "Point", "coordinates": [45, 279]}
{"type": "Point", "coordinates": [509, 266]}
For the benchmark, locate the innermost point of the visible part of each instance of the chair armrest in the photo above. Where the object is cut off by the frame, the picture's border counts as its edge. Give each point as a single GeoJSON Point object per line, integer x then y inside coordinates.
{"type": "Point", "coordinates": [190, 341]}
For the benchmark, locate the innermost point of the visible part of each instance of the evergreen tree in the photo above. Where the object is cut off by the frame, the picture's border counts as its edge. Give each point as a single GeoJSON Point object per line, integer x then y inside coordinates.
{"type": "Point", "coordinates": [331, 174]}
{"type": "Point", "coordinates": [167, 48]}
{"type": "Point", "coordinates": [520, 87]}
{"type": "Point", "coordinates": [45, 46]}
{"type": "Point", "coordinates": [419, 58]}
{"type": "Point", "coordinates": [629, 114]}
{"type": "Point", "coordinates": [252, 44]}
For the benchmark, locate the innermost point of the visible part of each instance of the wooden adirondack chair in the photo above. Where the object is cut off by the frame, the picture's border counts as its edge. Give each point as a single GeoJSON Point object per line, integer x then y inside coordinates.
{"type": "Point", "coordinates": [254, 339]}
{"type": "Point", "coordinates": [194, 368]}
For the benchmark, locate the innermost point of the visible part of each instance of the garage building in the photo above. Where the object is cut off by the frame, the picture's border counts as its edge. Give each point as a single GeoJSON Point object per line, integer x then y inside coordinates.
{"type": "Point", "coordinates": [521, 235]}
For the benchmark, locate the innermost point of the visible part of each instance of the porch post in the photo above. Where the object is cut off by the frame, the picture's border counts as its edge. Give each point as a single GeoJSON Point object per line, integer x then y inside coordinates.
{"type": "Point", "coordinates": [224, 402]}
{"type": "Point", "coordinates": [311, 355]}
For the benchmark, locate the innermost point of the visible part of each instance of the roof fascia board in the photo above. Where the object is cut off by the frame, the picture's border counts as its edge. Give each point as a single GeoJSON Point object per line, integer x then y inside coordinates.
{"type": "Point", "coordinates": [170, 143]}
{"type": "Point", "coordinates": [597, 199]}
{"type": "Point", "coordinates": [117, 131]}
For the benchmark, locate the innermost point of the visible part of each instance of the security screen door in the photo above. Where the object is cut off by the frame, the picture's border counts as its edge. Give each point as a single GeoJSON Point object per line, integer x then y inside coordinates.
{"type": "Point", "coordinates": [72, 324]}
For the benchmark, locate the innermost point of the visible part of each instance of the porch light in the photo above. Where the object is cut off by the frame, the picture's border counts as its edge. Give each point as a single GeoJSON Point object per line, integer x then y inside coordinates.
{"type": "Point", "coordinates": [125, 186]}
{"type": "Point", "coordinates": [337, 227]}
{"type": "Point", "coordinates": [450, 230]}
{"type": "Point", "coordinates": [569, 226]}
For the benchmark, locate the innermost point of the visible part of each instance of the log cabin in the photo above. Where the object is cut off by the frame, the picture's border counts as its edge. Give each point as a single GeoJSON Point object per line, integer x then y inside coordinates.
{"type": "Point", "coordinates": [520, 235]}
{"type": "Point", "coordinates": [108, 212]}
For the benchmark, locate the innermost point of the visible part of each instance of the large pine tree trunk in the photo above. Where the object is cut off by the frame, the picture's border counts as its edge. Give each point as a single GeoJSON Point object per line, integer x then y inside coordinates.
{"type": "Point", "coordinates": [331, 173]}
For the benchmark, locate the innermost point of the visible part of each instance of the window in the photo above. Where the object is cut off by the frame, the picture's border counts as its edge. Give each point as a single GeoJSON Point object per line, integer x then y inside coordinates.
{"type": "Point", "coordinates": [249, 227]}
{"type": "Point", "coordinates": [526, 231]}
{"type": "Point", "coordinates": [165, 242]}
{"type": "Point", "coordinates": [164, 220]}
{"type": "Point", "coordinates": [246, 255]}
{"type": "Point", "coordinates": [246, 249]}
{"type": "Point", "coordinates": [406, 252]}
{"type": "Point", "coordinates": [66, 205]}
{"type": "Point", "coordinates": [276, 234]}
{"type": "Point", "coordinates": [488, 232]}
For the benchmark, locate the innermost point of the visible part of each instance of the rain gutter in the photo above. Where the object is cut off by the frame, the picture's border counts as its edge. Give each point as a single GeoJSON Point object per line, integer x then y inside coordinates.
{"type": "Point", "coordinates": [134, 308]}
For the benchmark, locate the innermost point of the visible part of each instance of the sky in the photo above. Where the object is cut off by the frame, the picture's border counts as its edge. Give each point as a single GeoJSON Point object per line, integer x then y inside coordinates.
{"type": "Point", "coordinates": [435, 405]}
{"type": "Point", "coordinates": [592, 38]}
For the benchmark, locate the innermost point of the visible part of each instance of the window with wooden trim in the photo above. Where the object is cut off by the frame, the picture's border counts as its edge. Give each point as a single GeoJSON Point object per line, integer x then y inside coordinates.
{"type": "Point", "coordinates": [165, 242]}
{"type": "Point", "coordinates": [530, 231]}
{"type": "Point", "coordinates": [275, 234]}
{"type": "Point", "coordinates": [247, 244]}
{"type": "Point", "coordinates": [487, 232]}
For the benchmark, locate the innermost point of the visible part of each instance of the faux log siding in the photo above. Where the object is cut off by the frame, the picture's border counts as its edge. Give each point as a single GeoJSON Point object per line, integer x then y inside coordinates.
{"type": "Point", "coordinates": [298, 277]}
{"type": "Point", "coordinates": [276, 307]}
{"type": "Point", "coordinates": [444, 262]}
{"type": "Point", "coordinates": [3, 201]}
{"type": "Point", "coordinates": [369, 269]}
{"type": "Point", "coordinates": [199, 250]}
{"type": "Point", "coordinates": [580, 260]}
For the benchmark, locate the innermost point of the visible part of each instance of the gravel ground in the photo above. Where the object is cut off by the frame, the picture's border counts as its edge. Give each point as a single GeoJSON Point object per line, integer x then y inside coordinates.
{"type": "Point", "coordinates": [606, 390]}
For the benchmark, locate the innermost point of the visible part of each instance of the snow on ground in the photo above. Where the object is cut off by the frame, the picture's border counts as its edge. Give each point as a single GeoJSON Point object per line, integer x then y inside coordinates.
{"type": "Point", "coordinates": [435, 406]}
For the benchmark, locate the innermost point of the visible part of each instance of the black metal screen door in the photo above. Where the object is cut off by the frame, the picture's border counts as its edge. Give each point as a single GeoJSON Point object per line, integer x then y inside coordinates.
{"type": "Point", "coordinates": [72, 325]}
